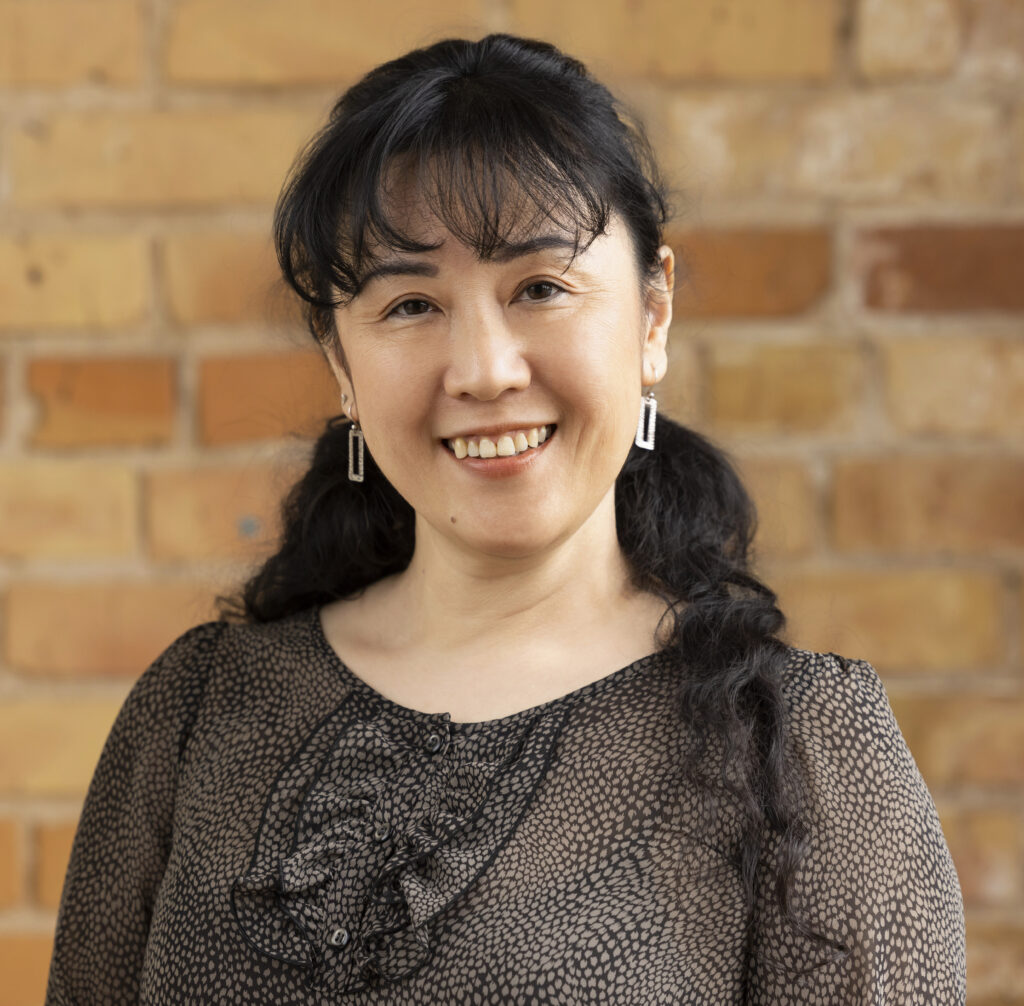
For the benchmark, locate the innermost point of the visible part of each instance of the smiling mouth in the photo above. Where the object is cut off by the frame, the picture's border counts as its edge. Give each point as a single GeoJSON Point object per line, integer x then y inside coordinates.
{"type": "Point", "coordinates": [507, 445]}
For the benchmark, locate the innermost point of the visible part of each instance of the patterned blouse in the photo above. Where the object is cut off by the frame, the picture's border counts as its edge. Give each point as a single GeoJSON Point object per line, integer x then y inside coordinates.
{"type": "Point", "coordinates": [265, 827]}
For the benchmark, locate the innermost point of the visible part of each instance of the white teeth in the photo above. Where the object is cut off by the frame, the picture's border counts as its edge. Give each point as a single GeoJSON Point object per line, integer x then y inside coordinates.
{"type": "Point", "coordinates": [505, 446]}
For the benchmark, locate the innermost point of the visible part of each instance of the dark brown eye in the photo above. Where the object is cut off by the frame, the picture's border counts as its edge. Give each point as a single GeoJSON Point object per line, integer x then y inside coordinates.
{"type": "Point", "coordinates": [410, 308]}
{"type": "Point", "coordinates": [541, 291]}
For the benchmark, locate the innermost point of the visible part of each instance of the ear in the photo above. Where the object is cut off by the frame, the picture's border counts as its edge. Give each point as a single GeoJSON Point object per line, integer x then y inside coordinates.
{"type": "Point", "coordinates": [659, 315]}
{"type": "Point", "coordinates": [336, 361]}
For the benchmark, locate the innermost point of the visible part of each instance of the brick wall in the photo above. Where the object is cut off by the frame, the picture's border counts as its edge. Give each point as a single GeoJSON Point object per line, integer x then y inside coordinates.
{"type": "Point", "coordinates": [851, 196]}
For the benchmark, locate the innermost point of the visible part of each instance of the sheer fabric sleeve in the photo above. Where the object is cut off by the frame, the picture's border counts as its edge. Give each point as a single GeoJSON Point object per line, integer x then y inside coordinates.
{"type": "Point", "coordinates": [877, 874]}
{"type": "Point", "coordinates": [124, 832]}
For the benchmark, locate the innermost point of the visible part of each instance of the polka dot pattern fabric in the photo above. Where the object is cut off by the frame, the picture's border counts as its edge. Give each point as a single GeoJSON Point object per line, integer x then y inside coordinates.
{"type": "Point", "coordinates": [264, 827]}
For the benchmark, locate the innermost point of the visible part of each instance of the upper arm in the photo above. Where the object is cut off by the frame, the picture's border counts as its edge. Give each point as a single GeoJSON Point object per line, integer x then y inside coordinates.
{"type": "Point", "coordinates": [124, 833]}
{"type": "Point", "coordinates": [877, 874]}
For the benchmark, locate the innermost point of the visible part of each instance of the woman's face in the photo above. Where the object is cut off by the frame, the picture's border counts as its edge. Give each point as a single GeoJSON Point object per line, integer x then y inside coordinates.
{"type": "Point", "coordinates": [449, 356]}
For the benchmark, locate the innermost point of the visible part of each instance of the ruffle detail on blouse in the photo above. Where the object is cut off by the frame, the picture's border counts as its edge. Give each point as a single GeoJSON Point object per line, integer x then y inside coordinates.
{"type": "Point", "coordinates": [376, 827]}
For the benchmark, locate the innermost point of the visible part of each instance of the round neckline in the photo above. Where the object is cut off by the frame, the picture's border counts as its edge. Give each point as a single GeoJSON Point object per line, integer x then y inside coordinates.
{"type": "Point", "coordinates": [468, 726]}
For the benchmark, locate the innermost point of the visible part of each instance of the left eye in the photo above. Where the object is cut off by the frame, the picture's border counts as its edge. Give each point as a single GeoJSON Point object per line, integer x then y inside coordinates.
{"type": "Point", "coordinates": [541, 290]}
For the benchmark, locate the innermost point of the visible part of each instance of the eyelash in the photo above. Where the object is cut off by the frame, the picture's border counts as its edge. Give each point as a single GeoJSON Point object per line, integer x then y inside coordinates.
{"type": "Point", "coordinates": [394, 312]}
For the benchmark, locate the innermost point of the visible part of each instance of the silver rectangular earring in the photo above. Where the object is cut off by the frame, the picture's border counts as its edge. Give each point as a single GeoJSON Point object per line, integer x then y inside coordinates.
{"type": "Point", "coordinates": [645, 427]}
{"type": "Point", "coordinates": [355, 453]}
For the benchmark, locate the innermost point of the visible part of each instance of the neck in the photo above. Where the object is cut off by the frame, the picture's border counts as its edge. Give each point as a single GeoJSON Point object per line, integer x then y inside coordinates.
{"type": "Point", "coordinates": [450, 599]}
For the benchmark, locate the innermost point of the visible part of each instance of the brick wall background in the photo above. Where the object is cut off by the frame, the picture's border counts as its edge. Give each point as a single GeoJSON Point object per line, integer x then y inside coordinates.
{"type": "Point", "coordinates": [851, 177]}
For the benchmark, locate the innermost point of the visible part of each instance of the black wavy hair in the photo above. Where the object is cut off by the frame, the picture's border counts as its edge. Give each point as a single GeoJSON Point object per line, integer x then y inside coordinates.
{"type": "Point", "coordinates": [499, 131]}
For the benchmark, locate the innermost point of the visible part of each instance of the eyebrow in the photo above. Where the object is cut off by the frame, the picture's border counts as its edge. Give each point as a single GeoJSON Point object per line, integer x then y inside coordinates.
{"type": "Point", "coordinates": [505, 253]}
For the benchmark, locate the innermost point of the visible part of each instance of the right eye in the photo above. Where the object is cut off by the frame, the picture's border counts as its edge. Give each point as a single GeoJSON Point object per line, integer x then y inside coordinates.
{"type": "Point", "coordinates": [410, 308]}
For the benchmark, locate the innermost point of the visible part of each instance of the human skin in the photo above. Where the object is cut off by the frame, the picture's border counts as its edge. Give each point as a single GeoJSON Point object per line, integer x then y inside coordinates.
{"type": "Point", "coordinates": [519, 555]}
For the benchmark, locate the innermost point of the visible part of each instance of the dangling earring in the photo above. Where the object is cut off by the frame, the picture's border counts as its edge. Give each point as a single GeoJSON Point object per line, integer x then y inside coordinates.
{"type": "Point", "coordinates": [355, 445]}
{"type": "Point", "coordinates": [355, 453]}
{"type": "Point", "coordinates": [645, 427]}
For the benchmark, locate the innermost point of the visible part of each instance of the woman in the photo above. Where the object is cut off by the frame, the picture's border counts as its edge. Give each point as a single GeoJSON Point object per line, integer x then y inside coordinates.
{"type": "Point", "coordinates": [507, 718]}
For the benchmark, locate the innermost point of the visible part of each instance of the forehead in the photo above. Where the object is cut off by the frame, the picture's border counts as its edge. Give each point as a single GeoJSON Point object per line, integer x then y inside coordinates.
{"type": "Point", "coordinates": [487, 213]}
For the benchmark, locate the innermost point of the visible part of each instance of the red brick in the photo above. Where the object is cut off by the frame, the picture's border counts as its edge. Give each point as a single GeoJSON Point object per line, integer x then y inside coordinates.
{"type": "Point", "coordinates": [964, 739]}
{"type": "Point", "coordinates": [995, 965]}
{"type": "Point", "coordinates": [265, 396]}
{"type": "Point", "coordinates": [25, 964]}
{"type": "Point", "coordinates": [106, 628]}
{"type": "Point", "coordinates": [917, 505]}
{"type": "Point", "coordinates": [701, 39]}
{"type": "Point", "coordinates": [943, 268]}
{"type": "Point", "coordinates": [202, 513]}
{"type": "Point", "coordinates": [74, 730]}
{"type": "Point", "coordinates": [12, 862]}
{"type": "Point", "coordinates": [878, 145]}
{"type": "Point", "coordinates": [53, 850]}
{"type": "Point", "coordinates": [961, 384]}
{"type": "Point", "coordinates": [66, 510]}
{"type": "Point", "coordinates": [73, 281]}
{"type": "Point", "coordinates": [61, 42]}
{"type": "Point", "coordinates": [987, 844]}
{"type": "Point", "coordinates": [787, 505]}
{"type": "Point", "coordinates": [903, 621]}
{"type": "Point", "coordinates": [751, 273]}
{"type": "Point", "coordinates": [995, 48]}
{"type": "Point", "coordinates": [100, 401]}
{"type": "Point", "coordinates": [302, 41]}
{"type": "Point", "coordinates": [221, 277]}
{"type": "Point", "coordinates": [186, 157]}
{"type": "Point", "coordinates": [911, 38]}
{"type": "Point", "coordinates": [681, 391]}
{"type": "Point", "coordinates": [776, 387]}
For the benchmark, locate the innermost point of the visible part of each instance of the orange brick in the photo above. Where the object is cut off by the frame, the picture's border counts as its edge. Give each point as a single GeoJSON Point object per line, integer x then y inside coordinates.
{"type": "Point", "coordinates": [904, 622]}
{"type": "Point", "coordinates": [12, 863]}
{"type": "Point", "coordinates": [955, 385]}
{"type": "Point", "coordinates": [25, 965]}
{"type": "Point", "coordinates": [702, 39]}
{"type": "Point", "coordinates": [994, 50]}
{"type": "Point", "coordinates": [912, 38]}
{"type": "Point", "coordinates": [928, 505]}
{"type": "Point", "coordinates": [880, 146]}
{"type": "Point", "coordinates": [127, 400]}
{"type": "Point", "coordinates": [53, 850]}
{"type": "Point", "coordinates": [303, 41]}
{"type": "Point", "coordinates": [59, 510]}
{"type": "Point", "coordinates": [681, 390]}
{"type": "Point", "coordinates": [61, 42]}
{"type": "Point", "coordinates": [787, 505]}
{"type": "Point", "coordinates": [995, 965]}
{"type": "Point", "coordinates": [72, 281]}
{"type": "Point", "coordinates": [987, 845]}
{"type": "Point", "coordinates": [960, 739]}
{"type": "Point", "coordinates": [190, 157]}
{"type": "Point", "coordinates": [221, 277]}
{"type": "Point", "coordinates": [263, 396]}
{"type": "Point", "coordinates": [105, 628]}
{"type": "Point", "coordinates": [943, 268]}
{"type": "Point", "coordinates": [220, 512]}
{"type": "Point", "coordinates": [750, 273]}
{"type": "Point", "coordinates": [807, 387]}
{"type": "Point", "coordinates": [49, 747]}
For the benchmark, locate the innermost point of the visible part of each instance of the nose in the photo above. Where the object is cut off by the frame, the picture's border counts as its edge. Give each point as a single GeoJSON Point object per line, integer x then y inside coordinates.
{"type": "Point", "coordinates": [486, 358]}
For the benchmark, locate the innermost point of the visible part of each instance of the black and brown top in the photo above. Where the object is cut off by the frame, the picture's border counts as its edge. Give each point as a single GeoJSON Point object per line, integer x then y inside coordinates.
{"type": "Point", "coordinates": [264, 827]}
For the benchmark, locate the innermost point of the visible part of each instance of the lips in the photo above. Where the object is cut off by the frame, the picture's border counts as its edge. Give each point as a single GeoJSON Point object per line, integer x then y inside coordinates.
{"type": "Point", "coordinates": [506, 444]}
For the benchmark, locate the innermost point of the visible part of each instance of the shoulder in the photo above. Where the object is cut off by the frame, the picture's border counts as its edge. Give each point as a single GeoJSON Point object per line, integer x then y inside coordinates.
{"type": "Point", "coordinates": [843, 732]}
{"type": "Point", "coordinates": [827, 692]}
